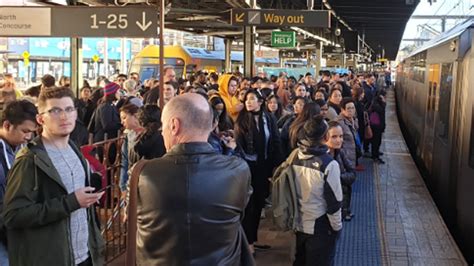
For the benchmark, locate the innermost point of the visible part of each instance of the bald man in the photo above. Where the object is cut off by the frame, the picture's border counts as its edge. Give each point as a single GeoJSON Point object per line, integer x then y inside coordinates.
{"type": "Point", "coordinates": [191, 200]}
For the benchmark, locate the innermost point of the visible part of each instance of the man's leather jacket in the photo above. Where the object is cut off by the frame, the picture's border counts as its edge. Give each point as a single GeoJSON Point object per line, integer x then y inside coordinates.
{"type": "Point", "coordinates": [190, 204]}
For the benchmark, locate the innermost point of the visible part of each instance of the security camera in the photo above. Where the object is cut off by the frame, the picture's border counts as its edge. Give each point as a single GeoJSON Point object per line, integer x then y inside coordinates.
{"type": "Point", "coordinates": [337, 32]}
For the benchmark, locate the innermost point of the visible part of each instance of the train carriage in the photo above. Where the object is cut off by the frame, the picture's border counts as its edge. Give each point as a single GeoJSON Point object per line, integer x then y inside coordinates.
{"type": "Point", "coordinates": [435, 99]}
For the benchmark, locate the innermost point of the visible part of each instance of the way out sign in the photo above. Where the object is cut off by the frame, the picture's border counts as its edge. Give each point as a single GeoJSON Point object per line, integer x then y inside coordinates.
{"type": "Point", "coordinates": [283, 39]}
{"type": "Point", "coordinates": [280, 18]}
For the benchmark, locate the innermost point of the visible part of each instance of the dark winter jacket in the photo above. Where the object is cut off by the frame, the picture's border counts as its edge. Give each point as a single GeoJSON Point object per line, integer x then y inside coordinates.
{"type": "Point", "coordinates": [285, 136]}
{"type": "Point", "coordinates": [106, 121]}
{"type": "Point", "coordinates": [37, 210]}
{"type": "Point", "coordinates": [85, 110]}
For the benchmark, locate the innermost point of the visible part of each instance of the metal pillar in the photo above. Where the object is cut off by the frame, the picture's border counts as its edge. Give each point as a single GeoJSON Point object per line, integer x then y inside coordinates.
{"type": "Point", "coordinates": [249, 58]}
{"type": "Point", "coordinates": [308, 58]}
{"type": "Point", "coordinates": [106, 58]}
{"type": "Point", "coordinates": [319, 57]}
{"type": "Point", "coordinates": [76, 65]}
{"type": "Point", "coordinates": [443, 24]}
{"type": "Point", "coordinates": [161, 13]}
{"type": "Point", "coordinates": [123, 58]}
{"type": "Point", "coordinates": [228, 49]}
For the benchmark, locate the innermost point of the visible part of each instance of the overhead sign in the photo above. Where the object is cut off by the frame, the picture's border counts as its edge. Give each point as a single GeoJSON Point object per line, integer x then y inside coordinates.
{"type": "Point", "coordinates": [25, 21]}
{"type": "Point", "coordinates": [292, 54]}
{"type": "Point", "coordinates": [78, 21]}
{"type": "Point", "coordinates": [281, 18]}
{"type": "Point", "coordinates": [283, 39]}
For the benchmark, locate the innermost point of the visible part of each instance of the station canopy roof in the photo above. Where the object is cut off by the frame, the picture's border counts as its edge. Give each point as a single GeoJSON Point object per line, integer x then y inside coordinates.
{"type": "Point", "coordinates": [381, 22]}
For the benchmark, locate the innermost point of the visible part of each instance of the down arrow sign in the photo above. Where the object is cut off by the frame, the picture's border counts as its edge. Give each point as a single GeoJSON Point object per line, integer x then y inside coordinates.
{"type": "Point", "coordinates": [143, 26]}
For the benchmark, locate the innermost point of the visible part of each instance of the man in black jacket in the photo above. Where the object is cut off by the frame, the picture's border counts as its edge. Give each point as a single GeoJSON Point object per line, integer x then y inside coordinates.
{"type": "Point", "coordinates": [191, 200]}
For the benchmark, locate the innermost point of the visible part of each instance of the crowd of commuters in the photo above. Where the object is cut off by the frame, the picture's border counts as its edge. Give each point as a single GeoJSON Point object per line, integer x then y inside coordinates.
{"type": "Point", "coordinates": [260, 121]}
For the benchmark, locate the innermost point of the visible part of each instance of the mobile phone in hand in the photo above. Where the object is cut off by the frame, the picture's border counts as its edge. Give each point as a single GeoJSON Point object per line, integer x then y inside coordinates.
{"type": "Point", "coordinates": [102, 189]}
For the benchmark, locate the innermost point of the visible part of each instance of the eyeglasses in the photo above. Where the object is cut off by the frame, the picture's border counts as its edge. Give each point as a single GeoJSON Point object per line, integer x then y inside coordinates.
{"type": "Point", "coordinates": [56, 111]}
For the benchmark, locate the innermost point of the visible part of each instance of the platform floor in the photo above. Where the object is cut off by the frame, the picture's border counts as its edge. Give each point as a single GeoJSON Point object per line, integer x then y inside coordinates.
{"type": "Point", "coordinates": [396, 221]}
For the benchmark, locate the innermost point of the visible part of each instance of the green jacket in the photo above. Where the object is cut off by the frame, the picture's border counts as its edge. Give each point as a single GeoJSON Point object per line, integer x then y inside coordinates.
{"type": "Point", "coordinates": [37, 211]}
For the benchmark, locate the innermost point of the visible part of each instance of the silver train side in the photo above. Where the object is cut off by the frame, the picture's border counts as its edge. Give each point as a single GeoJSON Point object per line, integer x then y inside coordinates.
{"type": "Point", "coordinates": [435, 103]}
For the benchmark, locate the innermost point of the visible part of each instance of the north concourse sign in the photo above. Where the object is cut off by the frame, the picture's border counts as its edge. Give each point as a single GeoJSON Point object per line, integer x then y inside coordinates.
{"type": "Point", "coordinates": [78, 21]}
{"type": "Point", "coordinates": [281, 18]}
{"type": "Point", "coordinates": [283, 39]}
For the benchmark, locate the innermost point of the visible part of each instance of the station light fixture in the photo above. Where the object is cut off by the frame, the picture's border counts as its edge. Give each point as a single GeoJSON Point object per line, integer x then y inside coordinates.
{"type": "Point", "coordinates": [309, 34]}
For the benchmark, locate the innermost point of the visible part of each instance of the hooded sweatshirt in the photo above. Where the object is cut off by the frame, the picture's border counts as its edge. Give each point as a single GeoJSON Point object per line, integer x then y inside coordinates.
{"type": "Point", "coordinates": [230, 101]}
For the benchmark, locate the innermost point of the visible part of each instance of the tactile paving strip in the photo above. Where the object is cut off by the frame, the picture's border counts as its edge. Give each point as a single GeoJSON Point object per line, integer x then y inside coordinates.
{"type": "Point", "coordinates": [359, 243]}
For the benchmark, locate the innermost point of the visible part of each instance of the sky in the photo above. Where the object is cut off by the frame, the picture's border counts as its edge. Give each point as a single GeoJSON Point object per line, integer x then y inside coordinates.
{"type": "Point", "coordinates": [440, 7]}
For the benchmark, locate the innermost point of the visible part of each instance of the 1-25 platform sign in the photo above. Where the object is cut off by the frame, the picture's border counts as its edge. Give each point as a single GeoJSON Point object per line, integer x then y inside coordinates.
{"type": "Point", "coordinates": [78, 21]}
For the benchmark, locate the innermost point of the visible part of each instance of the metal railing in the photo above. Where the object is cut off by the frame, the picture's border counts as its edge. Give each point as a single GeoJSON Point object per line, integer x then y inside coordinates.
{"type": "Point", "coordinates": [111, 209]}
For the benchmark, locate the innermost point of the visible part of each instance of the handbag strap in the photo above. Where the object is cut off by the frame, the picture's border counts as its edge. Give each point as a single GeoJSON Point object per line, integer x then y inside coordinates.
{"type": "Point", "coordinates": [366, 118]}
{"type": "Point", "coordinates": [132, 213]}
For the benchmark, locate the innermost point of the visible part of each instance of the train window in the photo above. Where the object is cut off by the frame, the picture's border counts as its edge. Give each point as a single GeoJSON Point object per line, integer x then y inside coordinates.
{"type": "Point", "coordinates": [419, 67]}
{"type": "Point", "coordinates": [446, 83]}
{"type": "Point", "coordinates": [147, 72]}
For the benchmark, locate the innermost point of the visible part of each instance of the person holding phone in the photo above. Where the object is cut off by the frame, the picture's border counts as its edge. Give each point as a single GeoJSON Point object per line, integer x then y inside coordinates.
{"type": "Point", "coordinates": [47, 204]}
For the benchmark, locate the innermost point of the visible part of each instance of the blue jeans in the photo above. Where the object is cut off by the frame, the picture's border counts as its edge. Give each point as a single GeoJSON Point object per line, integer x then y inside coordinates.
{"type": "Point", "coordinates": [3, 255]}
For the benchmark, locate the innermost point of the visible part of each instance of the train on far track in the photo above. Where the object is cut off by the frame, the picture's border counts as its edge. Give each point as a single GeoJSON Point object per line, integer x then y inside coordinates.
{"type": "Point", "coordinates": [435, 103]}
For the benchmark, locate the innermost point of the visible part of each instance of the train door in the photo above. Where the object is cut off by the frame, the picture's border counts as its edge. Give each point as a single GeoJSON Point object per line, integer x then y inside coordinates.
{"type": "Point", "coordinates": [442, 182]}
{"type": "Point", "coordinates": [431, 108]}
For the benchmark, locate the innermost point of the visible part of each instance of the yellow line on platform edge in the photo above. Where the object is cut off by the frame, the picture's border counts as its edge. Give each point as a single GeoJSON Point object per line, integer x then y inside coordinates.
{"type": "Point", "coordinates": [380, 218]}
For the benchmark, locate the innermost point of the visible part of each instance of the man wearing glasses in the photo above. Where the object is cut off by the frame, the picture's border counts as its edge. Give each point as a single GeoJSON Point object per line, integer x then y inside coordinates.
{"type": "Point", "coordinates": [48, 204]}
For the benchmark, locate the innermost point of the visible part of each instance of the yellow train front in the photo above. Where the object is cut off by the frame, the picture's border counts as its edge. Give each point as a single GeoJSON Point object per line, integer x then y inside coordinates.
{"type": "Point", "coordinates": [186, 60]}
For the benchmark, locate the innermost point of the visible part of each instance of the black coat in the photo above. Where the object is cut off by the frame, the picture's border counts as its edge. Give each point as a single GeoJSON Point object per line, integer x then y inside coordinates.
{"type": "Point", "coordinates": [106, 121]}
{"type": "Point", "coordinates": [360, 109]}
{"type": "Point", "coordinates": [261, 163]}
{"type": "Point", "coordinates": [285, 136]}
{"type": "Point", "coordinates": [190, 203]}
{"type": "Point", "coordinates": [85, 110]}
{"type": "Point", "coordinates": [370, 92]}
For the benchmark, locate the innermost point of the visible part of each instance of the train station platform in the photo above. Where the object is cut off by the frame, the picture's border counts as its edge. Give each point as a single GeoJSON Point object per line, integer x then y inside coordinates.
{"type": "Point", "coordinates": [396, 221]}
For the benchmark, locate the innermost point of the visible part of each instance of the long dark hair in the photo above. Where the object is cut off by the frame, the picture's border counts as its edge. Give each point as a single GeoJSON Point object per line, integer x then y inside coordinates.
{"type": "Point", "coordinates": [309, 110]}
{"type": "Point", "coordinates": [149, 117]}
{"type": "Point", "coordinates": [224, 121]}
{"type": "Point", "coordinates": [245, 121]}
{"type": "Point", "coordinates": [279, 112]}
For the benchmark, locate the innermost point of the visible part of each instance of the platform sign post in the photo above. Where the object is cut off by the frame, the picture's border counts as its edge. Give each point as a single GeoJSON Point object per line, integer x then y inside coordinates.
{"type": "Point", "coordinates": [26, 58]}
{"type": "Point", "coordinates": [283, 39]}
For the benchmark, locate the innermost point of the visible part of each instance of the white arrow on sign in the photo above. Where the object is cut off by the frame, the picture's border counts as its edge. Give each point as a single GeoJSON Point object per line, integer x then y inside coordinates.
{"type": "Point", "coordinates": [143, 26]}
